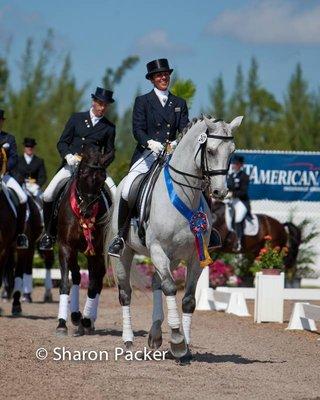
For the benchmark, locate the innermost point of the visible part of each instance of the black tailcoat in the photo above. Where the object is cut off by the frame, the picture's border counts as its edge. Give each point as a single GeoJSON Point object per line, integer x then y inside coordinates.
{"type": "Point", "coordinates": [35, 170]}
{"type": "Point", "coordinates": [150, 120]}
{"type": "Point", "coordinates": [79, 132]}
{"type": "Point", "coordinates": [238, 183]}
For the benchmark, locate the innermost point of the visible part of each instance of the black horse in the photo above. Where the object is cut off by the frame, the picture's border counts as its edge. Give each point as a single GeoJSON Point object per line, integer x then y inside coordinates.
{"type": "Point", "coordinates": [83, 220]}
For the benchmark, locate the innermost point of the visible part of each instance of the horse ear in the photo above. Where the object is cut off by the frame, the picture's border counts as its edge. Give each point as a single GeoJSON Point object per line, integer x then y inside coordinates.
{"type": "Point", "coordinates": [236, 122]}
{"type": "Point", "coordinates": [209, 122]}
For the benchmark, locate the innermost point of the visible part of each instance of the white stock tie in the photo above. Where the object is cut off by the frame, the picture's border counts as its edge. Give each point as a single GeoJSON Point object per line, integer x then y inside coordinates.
{"type": "Point", "coordinates": [164, 100]}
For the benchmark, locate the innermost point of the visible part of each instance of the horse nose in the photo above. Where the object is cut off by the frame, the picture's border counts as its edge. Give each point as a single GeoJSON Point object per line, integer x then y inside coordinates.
{"type": "Point", "coordinates": [216, 192]}
{"type": "Point", "coordinates": [219, 194]}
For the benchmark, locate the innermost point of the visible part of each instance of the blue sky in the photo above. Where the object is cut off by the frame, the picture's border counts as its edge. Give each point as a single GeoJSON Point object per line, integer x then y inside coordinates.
{"type": "Point", "coordinates": [202, 39]}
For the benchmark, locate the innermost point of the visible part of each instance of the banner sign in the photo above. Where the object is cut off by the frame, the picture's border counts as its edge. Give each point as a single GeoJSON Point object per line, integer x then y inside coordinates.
{"type": "Point", "coordinates": [283, 176]}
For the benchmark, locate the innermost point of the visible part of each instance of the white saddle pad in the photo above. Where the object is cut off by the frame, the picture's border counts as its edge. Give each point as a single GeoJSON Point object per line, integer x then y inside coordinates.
{"type": "Point", "coordinates": [251, 227]}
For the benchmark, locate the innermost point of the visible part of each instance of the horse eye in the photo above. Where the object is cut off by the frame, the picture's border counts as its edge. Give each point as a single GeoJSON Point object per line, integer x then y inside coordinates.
{"type": "Point", "coordinates": [211, 151]}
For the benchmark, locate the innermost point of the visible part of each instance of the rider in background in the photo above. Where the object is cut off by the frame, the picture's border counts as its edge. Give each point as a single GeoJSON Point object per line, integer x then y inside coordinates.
{"type": "Point", "coordinates": [237, 183]}
{"type": "Point", "coordinates": [89, 127]}
{"type": "Point", "coordinates": [8, 143]}
{"type": "Point", "coordinates": [30, 169]}
{"type": "Point", "coordinates": [157, 116]}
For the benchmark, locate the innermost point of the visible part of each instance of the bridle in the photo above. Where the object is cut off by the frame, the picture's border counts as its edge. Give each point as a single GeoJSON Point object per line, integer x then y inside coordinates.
{"type": "Point", "coordinates": [80, 196]}
{"type": "Point", "coordinates": [206, 172]}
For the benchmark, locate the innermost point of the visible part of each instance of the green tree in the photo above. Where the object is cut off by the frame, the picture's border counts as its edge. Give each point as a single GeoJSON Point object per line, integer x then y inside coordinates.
{"type": "Point", "coordinates": [217, 99]}
{"type": "Point", "coordinates": [184, 88]}
{"type": "Point", "coordinates": [4, 78]}
{"type": "Point", "coordinates": [299, 110]}
{"type": "Point", "coordinates": [113, 77]}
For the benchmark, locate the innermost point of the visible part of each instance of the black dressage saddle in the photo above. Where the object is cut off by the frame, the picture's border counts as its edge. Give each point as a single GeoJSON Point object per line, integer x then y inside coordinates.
{"type": "Point", "coordinates": [140, 196]}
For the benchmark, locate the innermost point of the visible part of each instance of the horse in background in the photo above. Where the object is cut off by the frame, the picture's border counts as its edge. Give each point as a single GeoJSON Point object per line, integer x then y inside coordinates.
{"type": "Point", "coordinates": [286, 234]}
{"type": "Point", "coordinates": [83, 220]}
{"type": "Point", "coordinates": [24, 261]}
{"type": "Point", "coordinates": [8, 220]}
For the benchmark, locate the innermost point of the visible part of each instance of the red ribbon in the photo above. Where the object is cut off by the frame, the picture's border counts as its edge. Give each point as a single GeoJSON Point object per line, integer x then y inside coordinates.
{"type": "Point", "coordinates": [87, 224]}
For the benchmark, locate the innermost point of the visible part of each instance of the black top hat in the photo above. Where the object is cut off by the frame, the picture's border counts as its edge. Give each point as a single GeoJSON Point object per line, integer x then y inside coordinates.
{"type": "Point", "coordinates": [29, 142]}
{"type": "Point", "coordinates": [160, 65]}
{"type": "Point", "coordinates": [2, 114]}
{"type": "Point", "coordinates": [103, 95]}
{"type": "Point", "coordinates": [237, 159]}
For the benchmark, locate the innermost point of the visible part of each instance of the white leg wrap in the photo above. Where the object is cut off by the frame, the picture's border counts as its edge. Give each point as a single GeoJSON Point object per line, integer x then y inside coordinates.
{"type": "Point", "coordinates": [74, 298]}
{"type": "Point", "coordinates": [95, 308]}
{"type": "Point", "coordinates": [127, 333]}
{"type": "Point", "coordinates": [157, 306]}
{"type": "Point", "coordinates": [186, 325]}
{"type": "Point", "coordinates": [48, 280]}
{"type": "Point", "coordinates": [173, 315]}
{"type": "Point", "coordinates": [17, 285]}
{"type": "Point", "coordinates": [89, 308]}
{"type": "Point", "coordinates": [63, 307]}
{"type": "Point", "coordinates": [27, 283]}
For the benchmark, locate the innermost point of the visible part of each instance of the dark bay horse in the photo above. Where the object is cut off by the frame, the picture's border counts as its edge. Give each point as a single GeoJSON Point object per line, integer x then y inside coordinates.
{"type": "Point", "coordinates": [83, 220]}
{"type": "Point", "coordinates": [8, 221]}
{"type": "Point", "coordinates": [286, 234]}
{"type": "Point", "coordinates": [24, 260]}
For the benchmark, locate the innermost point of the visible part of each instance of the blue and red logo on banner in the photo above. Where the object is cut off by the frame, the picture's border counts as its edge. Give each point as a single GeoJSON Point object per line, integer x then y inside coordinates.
{"type": "Point", "coordinates": [283, 176]}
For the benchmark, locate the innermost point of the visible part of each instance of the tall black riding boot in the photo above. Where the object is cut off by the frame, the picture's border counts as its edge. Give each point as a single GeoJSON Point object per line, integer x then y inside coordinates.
{"type": "Point", "coordinates": [46, 241]}
{"type": "Point", "coordinates": [124, 216]}
{"type": "Point", "coordinates": [22, 240]}
{"type": "Point", "coordinates": [239, 231]}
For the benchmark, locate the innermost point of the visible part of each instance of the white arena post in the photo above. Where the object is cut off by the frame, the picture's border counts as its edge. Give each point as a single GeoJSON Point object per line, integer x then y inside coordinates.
{"type": "Point", "coordinates": [268, 305]}
{"type": "Point", "coordinates": [304, 316]}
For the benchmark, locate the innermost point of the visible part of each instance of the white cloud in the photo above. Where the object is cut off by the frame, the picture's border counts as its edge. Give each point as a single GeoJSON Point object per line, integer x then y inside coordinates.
{"type": "Point", "coordinates": [272, 21]}
{"type": "Point", "coordinates": [157, 41]}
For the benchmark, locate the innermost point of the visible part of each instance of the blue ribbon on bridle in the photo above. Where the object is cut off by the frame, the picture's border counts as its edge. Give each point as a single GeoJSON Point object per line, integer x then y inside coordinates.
{"type": "Point", "coordinates": [197, 218]}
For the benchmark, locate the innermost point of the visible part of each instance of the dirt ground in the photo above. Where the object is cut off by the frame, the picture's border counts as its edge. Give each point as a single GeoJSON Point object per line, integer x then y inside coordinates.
{"type": "Point", "coordinates": [233, 358]}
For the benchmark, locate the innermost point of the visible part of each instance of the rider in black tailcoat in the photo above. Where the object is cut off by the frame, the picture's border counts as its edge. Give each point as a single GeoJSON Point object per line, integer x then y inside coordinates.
{"type": "Point", "coordinates": [30, 167]}
{"type": "Point", "coordinates": [157, 117]}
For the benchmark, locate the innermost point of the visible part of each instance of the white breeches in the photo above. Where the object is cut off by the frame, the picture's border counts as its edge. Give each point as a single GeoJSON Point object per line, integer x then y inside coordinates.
{"type": "Point", "coordinates": [240, 210]}
{"type": "Point", "coordinates": [141, 166]}
{"type": "Point", "coordinates": [60, 179]}
{"type": "Point", "coordinates": [14, 185]}
{"type": "Point", "coordinates": [57, 182]}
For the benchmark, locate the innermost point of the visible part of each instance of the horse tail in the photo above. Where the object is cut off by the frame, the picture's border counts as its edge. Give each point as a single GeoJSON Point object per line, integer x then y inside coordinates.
{"type": "Point", "coordinates": [293, 243]}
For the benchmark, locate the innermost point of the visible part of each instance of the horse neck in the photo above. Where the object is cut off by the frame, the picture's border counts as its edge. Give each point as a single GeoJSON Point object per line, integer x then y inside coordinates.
{"type": "Point", "coordinates": [183, 160]}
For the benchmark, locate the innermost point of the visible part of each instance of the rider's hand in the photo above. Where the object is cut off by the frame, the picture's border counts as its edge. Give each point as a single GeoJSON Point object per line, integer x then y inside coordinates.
{"type": "Point", "coordinates": [173, 144]}
{"type": "Point", "coordinates": [229, 195]}
{"type": "Point", "coordinates": [155, 146]}
{"type": "Point", "coordinates": [71, 159]}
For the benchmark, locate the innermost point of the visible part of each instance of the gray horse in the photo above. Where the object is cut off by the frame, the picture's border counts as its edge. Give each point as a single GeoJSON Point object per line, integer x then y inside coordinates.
{"type": "Point", "coordinates": [199, 162]}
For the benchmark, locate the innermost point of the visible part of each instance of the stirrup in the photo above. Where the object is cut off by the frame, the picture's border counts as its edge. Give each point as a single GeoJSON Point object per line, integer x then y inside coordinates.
{"type": "Point", "coordinates": [46, 242]}
{"type": "Point", "coordinates": [116, 247]}
{"type": "Point", "coordinates": [22, 242]}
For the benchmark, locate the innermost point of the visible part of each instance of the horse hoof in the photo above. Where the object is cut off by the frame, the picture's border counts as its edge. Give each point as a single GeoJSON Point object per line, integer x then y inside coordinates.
{"type": "Point", "coordinates": [76, 318]}
{"type": "Point", "coordinates": [47, 298]}
{"type": "Point", "coordinates": [128, 345]}
{"type": "Point", "coordinates": [178, 345]}
{"type": "Point", "coordinates": [155, 335]}
{"type": "Point", "coordinates": [186, 360]}
{"type": "Point", "coordinates": [62, 329]}
{"type": "Point", "coordinates": [16, 310]}
{"type": "Point", "coordinates": [88, 326]}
